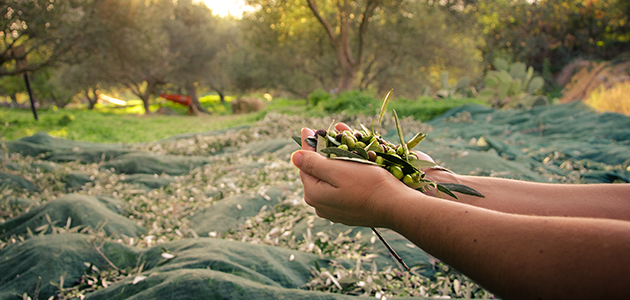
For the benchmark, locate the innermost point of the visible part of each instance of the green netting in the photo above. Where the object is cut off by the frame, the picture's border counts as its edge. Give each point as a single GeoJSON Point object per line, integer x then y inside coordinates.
{"type": "Point", "coordinates": [149, 163]}
{"type": "Point", "coordinates": [16, 182]}
{"type": "Point", "coordinates": [149, 181]}
{"type": "Point", "coordinates": [76, 180]}
{"type": "Point", "coordinates": [71, 211]}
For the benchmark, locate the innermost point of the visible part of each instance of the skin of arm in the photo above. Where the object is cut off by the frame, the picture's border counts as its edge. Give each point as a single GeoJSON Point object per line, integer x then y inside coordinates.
{"type": "Point", "coordinates": [516, 256]}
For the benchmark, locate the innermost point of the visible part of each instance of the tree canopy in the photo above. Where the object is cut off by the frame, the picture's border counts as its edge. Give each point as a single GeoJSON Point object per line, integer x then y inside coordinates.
{"type": "Point", "coordinates": [294, 46]}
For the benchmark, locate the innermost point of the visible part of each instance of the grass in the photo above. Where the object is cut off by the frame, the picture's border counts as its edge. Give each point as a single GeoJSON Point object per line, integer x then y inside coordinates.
{"type": "Point", "coordinates": [109, 127]}
{"type": "Point", "coordinates": [112, 124]}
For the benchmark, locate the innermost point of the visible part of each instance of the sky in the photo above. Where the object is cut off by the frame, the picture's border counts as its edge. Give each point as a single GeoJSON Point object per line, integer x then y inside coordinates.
{"type": "Point", "coordinates": [225, 7]}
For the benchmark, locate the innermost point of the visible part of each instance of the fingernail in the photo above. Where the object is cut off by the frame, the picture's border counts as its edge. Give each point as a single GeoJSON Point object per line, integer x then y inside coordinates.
{"type": "Point", "coordinates": [296, 158]}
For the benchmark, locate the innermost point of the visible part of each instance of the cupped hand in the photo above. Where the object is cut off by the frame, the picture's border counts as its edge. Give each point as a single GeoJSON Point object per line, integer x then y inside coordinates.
{"type": "Point", "coordinates": [347, 192]}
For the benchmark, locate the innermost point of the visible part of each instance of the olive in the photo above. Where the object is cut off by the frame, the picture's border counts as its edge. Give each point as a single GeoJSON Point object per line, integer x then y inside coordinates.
{"type": "Point", "coordinates": [343, 147]}
{"type": "Point", "coordinates": [396, 171]}
{"type": "Point", "coordinates": [400, 150]}
{"type": "Point", "coordinates": [379, 160]}
{"type": "Point", "coordinates": [407, 179]}
{"type": "Point", "coordinates": [358, 135]}
{"type": "Point", "coordinates": [321, 132]}
{"type": "Point", "coordinates": [371, 155]}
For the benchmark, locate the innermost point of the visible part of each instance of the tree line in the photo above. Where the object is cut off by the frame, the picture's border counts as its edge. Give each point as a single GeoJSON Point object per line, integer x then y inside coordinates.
{"type": "Point", "coordinates": [80, 47]}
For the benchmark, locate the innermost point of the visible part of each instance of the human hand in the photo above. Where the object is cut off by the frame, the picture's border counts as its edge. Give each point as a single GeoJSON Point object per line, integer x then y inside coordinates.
{"type": "Point", "coordinates": [346, 192]}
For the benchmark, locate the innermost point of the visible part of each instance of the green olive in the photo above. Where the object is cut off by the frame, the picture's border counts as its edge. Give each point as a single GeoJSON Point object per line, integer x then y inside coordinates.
{"type": "Point", "coordinates": [407, 179]}
{"type": "Point", "coordinates": [396, 171]}
{"type": "Point", "coordinates": [400, 150]}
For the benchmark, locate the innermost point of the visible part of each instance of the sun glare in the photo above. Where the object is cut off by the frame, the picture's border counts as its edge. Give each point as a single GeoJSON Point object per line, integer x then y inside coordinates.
{"type": "Point", "coordinates": [224, 8]}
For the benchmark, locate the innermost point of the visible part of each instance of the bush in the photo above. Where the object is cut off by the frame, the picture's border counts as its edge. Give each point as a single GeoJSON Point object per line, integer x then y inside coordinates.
{"type": "Point", "coordinates": [352, 102]}
{"type": "Point", "coordinates": [317, 96]}
{"type": "Point", "coordinates": [427, 108]}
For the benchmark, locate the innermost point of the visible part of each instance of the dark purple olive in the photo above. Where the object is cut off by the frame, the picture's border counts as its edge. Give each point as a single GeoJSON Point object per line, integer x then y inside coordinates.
{"type": "Point", "coordinates": [321, 132]}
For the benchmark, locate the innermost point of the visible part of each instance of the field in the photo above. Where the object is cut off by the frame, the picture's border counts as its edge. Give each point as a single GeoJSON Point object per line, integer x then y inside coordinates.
{"type": "Point", "coordinates": [217, 211]}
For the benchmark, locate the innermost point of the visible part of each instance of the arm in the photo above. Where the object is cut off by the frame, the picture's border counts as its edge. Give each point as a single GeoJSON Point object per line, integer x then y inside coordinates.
{"type": "Point", "coordinates": [610, 201]}
{"type": "Point", "coordinates": [515, 256]}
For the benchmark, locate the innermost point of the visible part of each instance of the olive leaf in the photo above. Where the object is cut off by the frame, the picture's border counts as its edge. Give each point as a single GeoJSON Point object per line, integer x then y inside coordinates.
{"type": "Point", "coordinates": [333, 141]}
{"type": "Point", "coordinates": [400, 137]}
{"type": "Point", "coordinates": [421, 164]}
{"type": "Point", "coordinates": [311, 141]}
{"type": "Point", "coordinates": [340, 152]}
{"type": "Point", "coordinates": [360, 151]}
{"type": "Point", "coordinates": [321, 143]}
{"type": "Point", "coordinates": [416, 140]}
{"type": "Point", "coordinates": [445, 190]}
{"type": "Point", "coordinates": [354, 159]}
{"type": "Point", "coordinates": [462, 189]}
{"type": "Point", "coordinates": [298, 140]}
{"type": "Point", "coordinates": [407, 168]}
{"type": "Point", "coordinates": [369, 133]}
{"type": "Point", "coordinates": [383, 107]}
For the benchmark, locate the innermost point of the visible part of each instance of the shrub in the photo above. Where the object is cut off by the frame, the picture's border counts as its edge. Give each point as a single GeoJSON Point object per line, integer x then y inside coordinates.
{"type": "Point", "coordinates": [352, 102]}
{"type": "Point", "coordinates": [427, 108]}
{"type": "Point", "coordinates": [614, 99]}
{"type": "Point", "coordinates": [317, 96]}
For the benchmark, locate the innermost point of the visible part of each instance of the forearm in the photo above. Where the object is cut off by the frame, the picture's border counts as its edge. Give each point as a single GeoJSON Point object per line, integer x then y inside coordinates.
{"type": "Point", "coordinates": [517, 256]}
{"type": "Point", "coordinates": [611, 201]}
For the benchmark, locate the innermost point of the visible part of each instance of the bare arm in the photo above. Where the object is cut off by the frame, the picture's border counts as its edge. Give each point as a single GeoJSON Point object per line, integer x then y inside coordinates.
{"type": "Point", "coordinates": [515, 256]}
{"type": "Point", "coordinates": [610, 201]}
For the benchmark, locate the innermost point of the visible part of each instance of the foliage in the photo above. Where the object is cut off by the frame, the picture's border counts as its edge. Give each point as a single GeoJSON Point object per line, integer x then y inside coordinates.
{"type": "Point", "coordinates": [614, 99]}
{"type": "Point", "coordinates": [39, 33]}
{"type": "Point", "coordinates": [511, 86]}
{"type": "Point", "coordinates": [351, 102]}
{"type": "Point", "coordinates": [317, 96]}
{"type": "Point", "coordinates": [405, 44]}
{"type": "Point", "coordinates": [96, 126]}
{"type": "Point", "coordinates": [426, 108]}
{"type": "Point", "coordinates": [557, 30]}
{"type": "Point", "coordinates": [451, 91]}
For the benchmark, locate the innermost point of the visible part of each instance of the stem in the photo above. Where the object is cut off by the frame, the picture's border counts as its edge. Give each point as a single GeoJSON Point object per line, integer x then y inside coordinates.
{"type": "Point", "coordinates": [391, 250]}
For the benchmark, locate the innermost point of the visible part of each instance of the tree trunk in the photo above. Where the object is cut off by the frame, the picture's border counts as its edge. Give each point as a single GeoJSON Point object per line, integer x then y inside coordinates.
{"type": "Point", "coordinates": [91, 100]}
{"type": "Point", "coordinates": [14, 102]}
{"type": "Point", "coordinates": [340, 38]}
{"type": "Point", "coordinates": [348, 72]}
{"type": "Point", "coordinates": [220, 92]}
{"type": "Point", "coordinates": [196, 105]}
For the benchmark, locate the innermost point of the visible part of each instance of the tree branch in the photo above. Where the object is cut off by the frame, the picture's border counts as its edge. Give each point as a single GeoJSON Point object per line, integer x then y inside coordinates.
{"type": "Point", "coordinates": [327, 26]}
{"type": "Point", "coordinates": [367, 14]}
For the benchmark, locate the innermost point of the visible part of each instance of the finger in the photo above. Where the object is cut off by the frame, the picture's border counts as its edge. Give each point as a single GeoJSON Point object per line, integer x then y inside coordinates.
{"type": "Point", "coordinates": [328, 170]}
{"type": "Point", "coordinates": [306, 132]}
{"type": "Point", "coordinates": [342, 127]}
{"type": "Point", "coordinates": [423, 156]}
{"type": "Point", "coordinates": [318, 166]}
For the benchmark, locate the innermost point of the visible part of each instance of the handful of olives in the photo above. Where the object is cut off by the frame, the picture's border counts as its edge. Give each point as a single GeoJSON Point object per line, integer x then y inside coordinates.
{"type": "Point", "coordinates": [367, 146]}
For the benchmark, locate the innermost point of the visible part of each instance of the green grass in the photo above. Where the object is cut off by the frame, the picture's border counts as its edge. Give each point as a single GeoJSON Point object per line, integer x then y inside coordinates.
{"type": "Point", "coordinates": [108, 127]}
{"type": "Point", "coordinates": [111, 124]}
